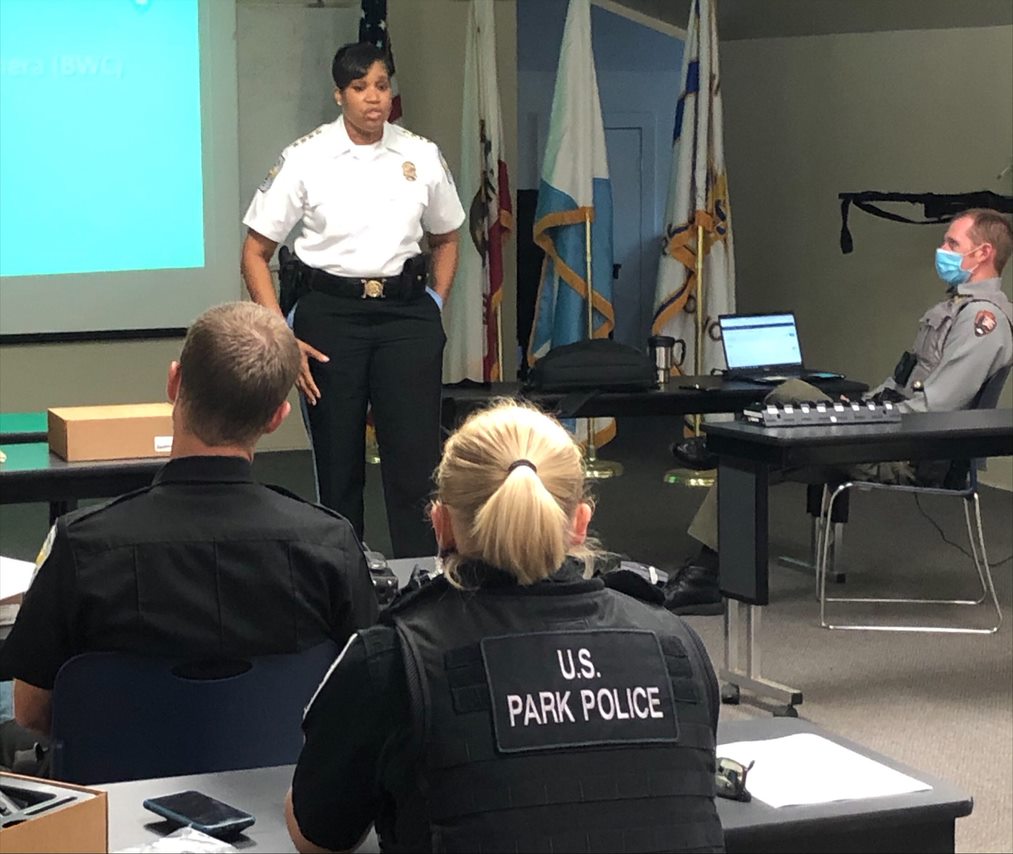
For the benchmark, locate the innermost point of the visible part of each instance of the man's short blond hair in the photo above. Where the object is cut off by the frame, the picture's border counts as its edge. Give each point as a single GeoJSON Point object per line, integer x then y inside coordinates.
{"type": "Point", "coordinates": [238, 364]}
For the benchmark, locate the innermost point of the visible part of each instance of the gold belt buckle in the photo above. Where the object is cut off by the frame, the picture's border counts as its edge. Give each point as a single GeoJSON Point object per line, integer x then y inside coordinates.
{"type": "Point", "coordinates": [372, 289]}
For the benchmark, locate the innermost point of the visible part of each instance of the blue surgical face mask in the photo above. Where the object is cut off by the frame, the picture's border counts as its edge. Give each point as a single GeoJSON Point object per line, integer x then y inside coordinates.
{"type": "Point", "coordinates": [948, 267]}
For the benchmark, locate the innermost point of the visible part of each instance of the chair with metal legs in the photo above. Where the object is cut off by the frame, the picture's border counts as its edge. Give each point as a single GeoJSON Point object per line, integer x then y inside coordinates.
{"type": "Point", "coordinates": [966, 491]}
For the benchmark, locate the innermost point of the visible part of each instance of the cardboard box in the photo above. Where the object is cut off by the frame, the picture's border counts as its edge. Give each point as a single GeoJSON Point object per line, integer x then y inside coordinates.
{"type": "Point", "coordinates": [80, 825]}
{"type": "Point", "coordinates": [111, 432]}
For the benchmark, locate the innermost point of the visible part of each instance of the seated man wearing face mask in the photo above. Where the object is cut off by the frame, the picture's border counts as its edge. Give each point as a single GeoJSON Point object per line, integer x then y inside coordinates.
{"type": "Point", "coordinates": [961, 343]}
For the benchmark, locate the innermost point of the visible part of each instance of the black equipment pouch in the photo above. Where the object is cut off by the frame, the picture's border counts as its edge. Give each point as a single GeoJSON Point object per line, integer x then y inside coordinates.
{"type": "Point", "coordinates": [383, 578]}
{"type": "Point", "coordinates": [416, 267]}
{"type": "Point", "coordinates": [292, 280]}
{"type": "Point", "coordinates": [902, 373]}
{"type": "Point", "coordinates": [599, 364]}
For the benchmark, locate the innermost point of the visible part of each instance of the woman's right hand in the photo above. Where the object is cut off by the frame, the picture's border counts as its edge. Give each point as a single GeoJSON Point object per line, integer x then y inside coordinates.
{"type": "Point", "coordinates": [304, 382]}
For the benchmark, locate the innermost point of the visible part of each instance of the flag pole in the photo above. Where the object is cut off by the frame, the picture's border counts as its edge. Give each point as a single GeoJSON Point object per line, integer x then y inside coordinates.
{"type": "Point", "coordinates": [683, 476]}
{"type": "Point", "coordinates": [587, 267]}
{"type": "Point", "coordinates": [591, 451]}
{"type": "Point", "coordinates": [594, 469]}
{"type": "Point", "coordinates": [499, 343]}
{"type": "Point", "coordinates": [698, 352]}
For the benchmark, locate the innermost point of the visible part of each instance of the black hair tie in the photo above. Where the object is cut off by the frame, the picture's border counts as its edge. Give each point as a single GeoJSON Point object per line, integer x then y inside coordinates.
{"type": "Point", "coordinates": [518, 463]}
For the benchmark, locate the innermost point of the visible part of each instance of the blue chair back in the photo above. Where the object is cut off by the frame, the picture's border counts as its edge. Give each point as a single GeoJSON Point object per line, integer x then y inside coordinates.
{"type": "Point", "coordinates": [118, 716]}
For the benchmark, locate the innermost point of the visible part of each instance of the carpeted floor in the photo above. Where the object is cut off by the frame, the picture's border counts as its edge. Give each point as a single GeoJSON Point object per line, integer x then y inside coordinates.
{"type": "Point", "coordinates": [940, 703]}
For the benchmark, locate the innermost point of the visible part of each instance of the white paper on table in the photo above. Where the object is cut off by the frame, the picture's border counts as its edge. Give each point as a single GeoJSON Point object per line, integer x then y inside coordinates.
{"type": "Point", "coordinates": [806, 768]}
{"type": "Point", "coordinates": [15, 576]}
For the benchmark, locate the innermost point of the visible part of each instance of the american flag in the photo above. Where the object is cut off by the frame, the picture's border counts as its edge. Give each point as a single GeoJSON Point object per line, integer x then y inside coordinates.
{"type": "Point", "coordinates": [373, 29]}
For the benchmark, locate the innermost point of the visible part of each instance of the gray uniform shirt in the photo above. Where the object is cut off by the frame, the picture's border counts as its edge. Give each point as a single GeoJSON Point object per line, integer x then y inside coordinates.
{"type": "Point", "coordinates": [961, 342]}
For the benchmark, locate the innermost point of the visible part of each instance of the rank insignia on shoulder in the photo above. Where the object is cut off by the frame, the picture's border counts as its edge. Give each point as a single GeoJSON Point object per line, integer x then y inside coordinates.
{"type": "Point", "coordinates": [408, 168]}
{"type": "Point", "coordinates": [265, 185]}
{"type": "Point", "coordinates": [310, 135]}
{"type": "Point", "coordinates": [984, 322]}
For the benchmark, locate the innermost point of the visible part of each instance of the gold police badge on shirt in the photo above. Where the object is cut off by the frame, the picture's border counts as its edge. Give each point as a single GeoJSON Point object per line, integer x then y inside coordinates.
{"type": "Point", "coordinates": [408, 168]}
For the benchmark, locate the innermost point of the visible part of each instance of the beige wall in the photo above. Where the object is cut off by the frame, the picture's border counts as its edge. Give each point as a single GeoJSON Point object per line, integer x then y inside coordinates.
{"type": "Point", "coordinates": [428, 38]}
{"type": "Point", "coordinates": [807, 118]}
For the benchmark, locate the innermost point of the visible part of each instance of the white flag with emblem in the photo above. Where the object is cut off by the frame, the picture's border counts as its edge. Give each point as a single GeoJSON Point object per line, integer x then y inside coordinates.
{"type": "Point", "coordinates": [697, 196]}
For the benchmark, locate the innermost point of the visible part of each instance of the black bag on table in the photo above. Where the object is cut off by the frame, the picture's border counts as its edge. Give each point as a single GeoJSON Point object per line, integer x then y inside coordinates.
{"type": "Point", "coordinates": [599, 364]}
{"type": "Point", "coordinates": [587, 368]}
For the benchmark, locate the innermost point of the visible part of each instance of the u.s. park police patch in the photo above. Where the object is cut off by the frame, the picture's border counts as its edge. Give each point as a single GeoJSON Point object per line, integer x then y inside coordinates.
{"type": "Point", "coordinates": [265, 185]}
{"type": "Point", "coordinates": [984, 322]}
{"type": "Point", "coordinates": [552, 690]}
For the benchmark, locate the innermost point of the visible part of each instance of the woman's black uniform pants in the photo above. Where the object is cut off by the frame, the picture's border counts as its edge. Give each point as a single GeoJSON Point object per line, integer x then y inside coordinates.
{"type": "Point", "coordinates": [388, 353]}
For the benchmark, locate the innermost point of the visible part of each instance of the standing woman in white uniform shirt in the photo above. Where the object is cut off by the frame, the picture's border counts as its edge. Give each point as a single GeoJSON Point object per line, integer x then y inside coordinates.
{"type": "Point", "coordinates": [368, 321]}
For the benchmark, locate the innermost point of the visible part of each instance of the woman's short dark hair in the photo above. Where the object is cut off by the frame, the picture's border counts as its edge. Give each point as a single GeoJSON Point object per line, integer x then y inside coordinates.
{"type": "Point", "coordinates": [354, 60]}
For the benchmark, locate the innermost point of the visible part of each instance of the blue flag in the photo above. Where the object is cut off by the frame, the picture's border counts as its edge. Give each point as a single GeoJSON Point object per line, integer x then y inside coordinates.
{"type": "Point", "coordinates": [574, 191]}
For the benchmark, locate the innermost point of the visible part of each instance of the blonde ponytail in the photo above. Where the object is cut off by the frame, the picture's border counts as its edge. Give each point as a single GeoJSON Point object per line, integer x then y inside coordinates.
{"type": "Point", "coordinates": [512, 479]}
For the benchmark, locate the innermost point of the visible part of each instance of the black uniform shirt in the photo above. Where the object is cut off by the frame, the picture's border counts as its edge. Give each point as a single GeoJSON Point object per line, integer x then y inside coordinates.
{"type": "Point", "coordinates": [204, 563]}
{"type": "Point", "coordinates": [359, 750]}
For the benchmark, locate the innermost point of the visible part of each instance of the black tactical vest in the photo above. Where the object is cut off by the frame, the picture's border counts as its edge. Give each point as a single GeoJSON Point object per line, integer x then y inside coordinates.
{"type": "Point", "coordinates": [559, 717]}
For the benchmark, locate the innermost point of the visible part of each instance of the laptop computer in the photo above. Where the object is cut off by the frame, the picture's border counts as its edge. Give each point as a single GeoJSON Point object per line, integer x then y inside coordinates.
{"type": "Point", "coordinates": [764, 348]}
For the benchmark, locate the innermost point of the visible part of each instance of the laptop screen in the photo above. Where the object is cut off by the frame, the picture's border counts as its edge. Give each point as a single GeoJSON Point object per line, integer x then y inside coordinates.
{"type": "Point", "coordinates": [759, 340]}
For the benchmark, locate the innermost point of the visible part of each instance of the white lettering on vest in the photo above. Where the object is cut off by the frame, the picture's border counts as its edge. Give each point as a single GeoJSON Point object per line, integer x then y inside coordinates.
{"type": "Point", "coordinates": [655, 701]}
{"type": "Point", "coordinates": [550, 707]}
{"type": "Point", "coordinates": [569, 672]}
{"type": "Point", "coordinates": [621, 704]}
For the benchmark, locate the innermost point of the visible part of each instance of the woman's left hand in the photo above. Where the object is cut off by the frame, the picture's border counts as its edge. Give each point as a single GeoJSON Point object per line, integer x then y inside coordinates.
{"type": "Point", "coordinates": [304, 382]}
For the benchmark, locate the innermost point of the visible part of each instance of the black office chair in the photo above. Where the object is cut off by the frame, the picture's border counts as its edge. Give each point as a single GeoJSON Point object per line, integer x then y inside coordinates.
{"type": "Point", "coordinates": [961, 482]}
{"type": "Point", "coordinates": [118, 716]}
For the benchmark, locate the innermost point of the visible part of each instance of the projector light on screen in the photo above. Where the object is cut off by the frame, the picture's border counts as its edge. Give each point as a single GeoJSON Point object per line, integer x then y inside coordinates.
{"type": "Point", "coordinates": [117, 150]}
{"type": "Point", "coordinates": [100, 138]}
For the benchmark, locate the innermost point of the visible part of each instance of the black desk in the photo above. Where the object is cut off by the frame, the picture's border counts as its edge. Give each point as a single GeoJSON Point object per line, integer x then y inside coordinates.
{"type": "Point", "coordinates": [921, 821]}
{"type": "Point", "coordinates": [32, 473]}
{"type": "Point", "coordinates": [714, 394]}
{"type": "Point", "coordinates": [748, 452]}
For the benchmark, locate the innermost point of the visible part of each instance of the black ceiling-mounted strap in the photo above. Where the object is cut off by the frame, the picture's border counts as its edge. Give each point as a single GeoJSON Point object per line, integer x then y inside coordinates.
{"type": "Point", "coordinates": [938, 207]}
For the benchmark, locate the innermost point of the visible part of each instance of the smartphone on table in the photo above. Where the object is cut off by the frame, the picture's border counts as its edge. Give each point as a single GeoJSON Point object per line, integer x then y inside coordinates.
{"type": "Point", "coordinates": [201, 812]}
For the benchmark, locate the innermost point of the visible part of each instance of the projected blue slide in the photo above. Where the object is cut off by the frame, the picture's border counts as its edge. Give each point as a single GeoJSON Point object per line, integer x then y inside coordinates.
{"type": "Point", "coordinates": [100, 136]}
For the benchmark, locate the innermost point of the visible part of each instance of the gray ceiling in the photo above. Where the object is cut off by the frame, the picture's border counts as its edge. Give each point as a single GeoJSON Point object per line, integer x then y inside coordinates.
{"type": "Point", "coordinates": [752, 19]}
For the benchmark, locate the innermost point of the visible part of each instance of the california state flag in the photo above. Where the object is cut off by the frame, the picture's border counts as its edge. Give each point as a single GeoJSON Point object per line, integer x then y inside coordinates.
{"type": "Point", "coordinates": [472, 314]}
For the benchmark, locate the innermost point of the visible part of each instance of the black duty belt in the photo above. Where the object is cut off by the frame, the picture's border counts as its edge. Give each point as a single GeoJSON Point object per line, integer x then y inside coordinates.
{"type": "Point", "coordinates": [407, 286]}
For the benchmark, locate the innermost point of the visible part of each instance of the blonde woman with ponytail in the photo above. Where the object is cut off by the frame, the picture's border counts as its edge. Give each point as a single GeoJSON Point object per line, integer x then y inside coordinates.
{"type": "Point", "coordinates": [510, 492]}
{"type": "Point", "coordinates": [514, 702]}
